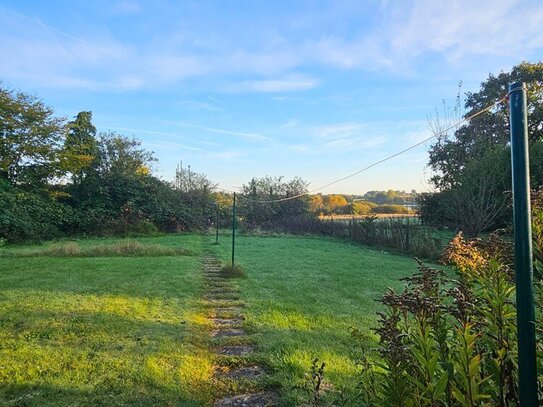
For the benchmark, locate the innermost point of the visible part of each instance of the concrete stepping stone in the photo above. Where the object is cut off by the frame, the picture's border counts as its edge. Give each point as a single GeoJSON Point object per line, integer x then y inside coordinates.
{"type": "Point", "coordinates": [222, 296]}
{"type": "Point", "coordinates": [228, 312]}
{"type": "Point", "coordinates": [262, 399]}
{"type": "Point", "coordinates": [241, 373]}
{"type": "Point", "coordinates": [226, 321]}
{"type": "Point", "coordinates": [224, 288]}
{"type": "Point", "coordinates": [235, 350]}
{"type": "Point", "coordinates": [228, 333]}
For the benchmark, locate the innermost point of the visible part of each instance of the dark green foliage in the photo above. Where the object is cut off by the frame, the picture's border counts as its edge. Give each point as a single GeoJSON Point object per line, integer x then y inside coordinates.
{"type": "Point", "coordinates": [30, 139]}
{"type": "Point", "coordinates": [28, 215]}
{"type": "Point", "coordinates": [472, 166]}
{"type": "Point", "coordinates": [111, 191]}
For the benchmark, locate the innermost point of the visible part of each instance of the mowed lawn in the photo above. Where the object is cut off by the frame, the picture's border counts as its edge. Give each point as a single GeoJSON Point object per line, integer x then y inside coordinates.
{"type": "Point", "coordinates": [303, 297]}
{"type": "Point", "coordinates": [87, 331]}
{"type": "Point", "coordinates": [104, 330]}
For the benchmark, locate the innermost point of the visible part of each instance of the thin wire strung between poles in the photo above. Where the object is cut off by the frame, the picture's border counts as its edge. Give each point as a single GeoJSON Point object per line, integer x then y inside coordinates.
{"type": "Point", "coordinates": [390, 157]}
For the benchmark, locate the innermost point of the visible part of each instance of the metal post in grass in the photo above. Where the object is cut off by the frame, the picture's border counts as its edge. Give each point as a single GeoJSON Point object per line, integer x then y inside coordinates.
{"type": "Point", "coordinates": [523, 246]}
{"type": "Point", "coordinates": [217, 224]}
{"type": "Point", "coordinates": [233, 232]}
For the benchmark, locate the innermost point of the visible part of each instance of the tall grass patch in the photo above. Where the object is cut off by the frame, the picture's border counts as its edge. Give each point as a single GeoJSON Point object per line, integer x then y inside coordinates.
{"type": "Point", "coordinates": [122, 248]}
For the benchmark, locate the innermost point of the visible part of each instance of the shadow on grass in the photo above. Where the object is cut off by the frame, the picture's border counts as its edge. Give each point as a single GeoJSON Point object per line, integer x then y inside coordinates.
{"type": "Point", "coordinates": [104, 394]}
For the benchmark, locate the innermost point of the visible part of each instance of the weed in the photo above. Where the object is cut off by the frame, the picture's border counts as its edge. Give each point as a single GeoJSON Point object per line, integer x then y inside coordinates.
{"type": "Point", "coordinates": [70, 249]}
{"type": "Point", "coordinates": [312, 383]}
{"type": "Point", "coordinates": [233, 272]}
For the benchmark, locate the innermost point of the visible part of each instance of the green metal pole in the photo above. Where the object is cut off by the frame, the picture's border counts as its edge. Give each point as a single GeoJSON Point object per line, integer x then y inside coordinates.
{"type": "Point", "coordinates": [217, 225]}
{"type": "Point", "coordinates": [233, 231]}
{"type": "Point", "coordinates": [523, 246]}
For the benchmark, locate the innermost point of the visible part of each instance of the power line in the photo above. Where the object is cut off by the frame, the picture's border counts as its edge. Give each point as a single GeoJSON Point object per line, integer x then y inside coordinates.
{"type": "Point", "coordinates": [390, 157]}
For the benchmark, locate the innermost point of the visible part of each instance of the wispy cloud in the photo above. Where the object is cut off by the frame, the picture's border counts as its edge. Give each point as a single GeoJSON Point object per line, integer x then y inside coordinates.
{"type": "Point", "coordinates": [47, 27]}
{"type": "Point", "coordinates": [290, 123]}
{"type": "Point", "coordinates": [245, 135]}
{"type": "Point", "coordinates": [175, 146]}
{"type": "Point", "coordinates": [286, 84]}
{"type": "Point", "coordinates": [277, 59]}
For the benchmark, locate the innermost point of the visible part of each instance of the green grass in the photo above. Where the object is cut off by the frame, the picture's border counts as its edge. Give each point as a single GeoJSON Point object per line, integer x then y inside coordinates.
{"type": "Point", "coordinates": [104, 330]}
{"type": "Point", "coordinates": [132, 330]}
{"type": "Point", "coordinates": [304, 294]}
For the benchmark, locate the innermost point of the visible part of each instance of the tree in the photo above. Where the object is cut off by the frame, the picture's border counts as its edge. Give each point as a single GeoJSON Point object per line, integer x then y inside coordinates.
{"type": "Point", "coordinates": [335, 202]}
{"type": "Point", "coordinates": [30, 139]}
{"type": "Point", "coordinates": [257, 208]}
{"type": "Point", "coordinates": [471, 164]}
{"type": "Point", "coordinates": [360, 208]}
{"type": "Point", "coordinates": [450, 153]}
{"type": "Point", "coordinates": [316, 203]}
{"type": "Point", "coordinates": [81, 149]}
{"type": "Point", "coordinates": [123, 155]}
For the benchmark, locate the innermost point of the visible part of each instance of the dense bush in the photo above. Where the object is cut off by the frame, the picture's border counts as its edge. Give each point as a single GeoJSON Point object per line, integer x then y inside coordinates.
{"type": "Point", "coordinates": [28, 215]}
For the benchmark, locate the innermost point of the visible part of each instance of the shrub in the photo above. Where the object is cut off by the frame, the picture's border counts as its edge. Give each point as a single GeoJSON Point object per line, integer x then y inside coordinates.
{"type": "Point", "coordinates": [361, 208]}
{"type": "Point", "coordinates": [30, 216]}
{"type": "Point", "coordinates": [390, 209]}
{"type": "Point", "coordinates": [450, 342]}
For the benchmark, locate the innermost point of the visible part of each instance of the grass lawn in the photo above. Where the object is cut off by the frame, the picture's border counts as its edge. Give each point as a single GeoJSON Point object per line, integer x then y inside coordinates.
{"type": "Point", "coordinates": [304, 294]}
{"type": "Point", "coordinates": [133, 331]}
{"type": "Point", "coordinates": [104, 330]}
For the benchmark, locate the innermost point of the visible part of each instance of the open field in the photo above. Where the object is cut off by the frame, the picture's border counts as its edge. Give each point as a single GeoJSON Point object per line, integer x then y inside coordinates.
{"type": "Point", "coordinates": [132, 330]}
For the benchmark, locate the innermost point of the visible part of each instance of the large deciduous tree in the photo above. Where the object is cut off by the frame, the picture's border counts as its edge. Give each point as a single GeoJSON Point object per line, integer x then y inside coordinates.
{"type": "Point", "coordinates": [30, 139]}
{"type": "Point", "coordinates": [451, 153]}
{"type": "Point", "coordinates": [471, 165]}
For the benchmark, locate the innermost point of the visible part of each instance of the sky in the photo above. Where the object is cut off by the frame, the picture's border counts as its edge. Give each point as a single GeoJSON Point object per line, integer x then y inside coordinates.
{"type": "Point", "coordinates": [242, 89]}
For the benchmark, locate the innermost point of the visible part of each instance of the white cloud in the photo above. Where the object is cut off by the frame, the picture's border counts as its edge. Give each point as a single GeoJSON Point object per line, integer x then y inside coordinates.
{"type": "Point", "coordinates": [398, 34]}
{"type": "Point", "coordinates": [462, 29]}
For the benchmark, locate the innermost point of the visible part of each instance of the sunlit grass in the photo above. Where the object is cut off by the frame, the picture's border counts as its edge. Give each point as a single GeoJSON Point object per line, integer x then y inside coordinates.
{"type": "Point", "coordinates": [104, 330]}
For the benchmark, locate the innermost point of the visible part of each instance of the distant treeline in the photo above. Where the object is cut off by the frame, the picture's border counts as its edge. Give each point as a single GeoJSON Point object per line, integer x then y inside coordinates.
{"type": "Point", "coordinates": [372, 202]}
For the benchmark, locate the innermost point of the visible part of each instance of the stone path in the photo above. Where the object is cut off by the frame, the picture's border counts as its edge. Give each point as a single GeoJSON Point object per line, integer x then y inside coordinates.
{"type": "Point", "coordinates": [235, 369]}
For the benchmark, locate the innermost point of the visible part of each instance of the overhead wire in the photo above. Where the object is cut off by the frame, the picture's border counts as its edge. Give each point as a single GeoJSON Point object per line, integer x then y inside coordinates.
{"type": "Point", "coordinates": [390, 157]}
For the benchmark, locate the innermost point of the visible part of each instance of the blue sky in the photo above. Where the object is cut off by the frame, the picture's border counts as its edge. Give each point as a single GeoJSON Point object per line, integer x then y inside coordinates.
{"type": "Point", "coordinates": [239, 89]}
